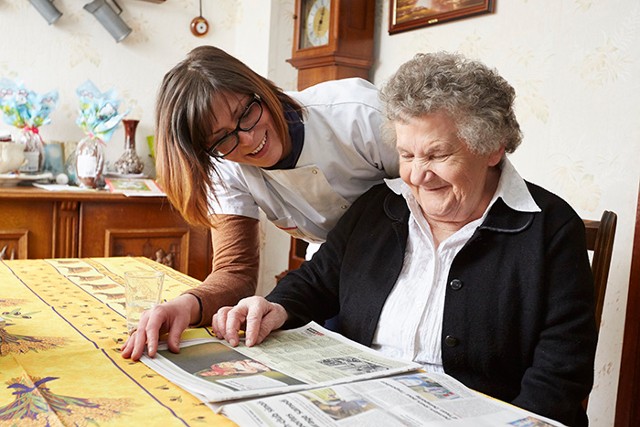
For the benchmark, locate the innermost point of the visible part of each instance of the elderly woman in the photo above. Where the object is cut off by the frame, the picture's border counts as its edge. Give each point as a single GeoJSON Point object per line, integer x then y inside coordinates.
{"type": "Point", "coordinates": [460, 265]}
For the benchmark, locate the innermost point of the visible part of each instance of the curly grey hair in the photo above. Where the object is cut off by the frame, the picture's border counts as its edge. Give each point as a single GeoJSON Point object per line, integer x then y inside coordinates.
{"type": "Point", "coordinates": [476, 97]}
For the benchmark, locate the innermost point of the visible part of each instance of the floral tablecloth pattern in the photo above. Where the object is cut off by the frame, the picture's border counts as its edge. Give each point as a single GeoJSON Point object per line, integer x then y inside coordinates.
{"type": "Point", "coordinates": [60, 362]}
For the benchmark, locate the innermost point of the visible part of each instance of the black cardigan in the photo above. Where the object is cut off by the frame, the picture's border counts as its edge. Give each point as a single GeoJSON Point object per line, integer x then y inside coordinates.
{"type": "Point", "coordinates": [519, 306]}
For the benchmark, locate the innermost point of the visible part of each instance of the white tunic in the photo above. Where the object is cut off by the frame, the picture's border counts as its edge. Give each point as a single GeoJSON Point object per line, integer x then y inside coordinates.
{"type": "Point", "coordinates": [342, 157]}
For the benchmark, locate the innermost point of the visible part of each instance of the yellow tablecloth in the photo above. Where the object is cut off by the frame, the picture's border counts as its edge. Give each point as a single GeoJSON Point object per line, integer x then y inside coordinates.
{"type": "Point", "coordinates": [59, 357]}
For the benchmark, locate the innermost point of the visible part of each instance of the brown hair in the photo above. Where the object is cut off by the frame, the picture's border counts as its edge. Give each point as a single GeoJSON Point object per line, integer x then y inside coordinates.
{"type": "Point", "coordinates": [184, 117]}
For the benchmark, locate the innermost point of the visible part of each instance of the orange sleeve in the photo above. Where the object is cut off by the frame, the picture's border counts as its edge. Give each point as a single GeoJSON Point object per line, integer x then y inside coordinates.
{"type": "Point", "coordinates": [236, 256]}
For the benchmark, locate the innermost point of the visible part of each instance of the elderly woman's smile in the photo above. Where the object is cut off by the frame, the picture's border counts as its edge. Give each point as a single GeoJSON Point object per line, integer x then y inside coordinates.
{"type": "Point", "coordinates": [452, 184]}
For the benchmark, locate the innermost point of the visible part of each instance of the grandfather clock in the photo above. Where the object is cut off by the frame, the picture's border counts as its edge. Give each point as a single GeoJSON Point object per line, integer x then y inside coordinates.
{"type": "Point", "coordinates": [332, 39]}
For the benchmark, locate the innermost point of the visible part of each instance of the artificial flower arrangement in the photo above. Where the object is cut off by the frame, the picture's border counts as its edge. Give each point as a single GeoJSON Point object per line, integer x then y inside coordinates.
{"type": "Point", "coordinates": [27, 111]}
{"type": "Point", "coordinates": [98, 118]}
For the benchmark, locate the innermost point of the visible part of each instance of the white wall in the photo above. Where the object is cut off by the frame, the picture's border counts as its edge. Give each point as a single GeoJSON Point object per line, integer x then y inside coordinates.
{"type": "Point", "coordinates": [574, 63]}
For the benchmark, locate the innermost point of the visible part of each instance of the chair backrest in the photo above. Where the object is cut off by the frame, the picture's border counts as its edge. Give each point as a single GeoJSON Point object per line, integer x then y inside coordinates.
{"type": "Point", "coordinates": [600, 236]}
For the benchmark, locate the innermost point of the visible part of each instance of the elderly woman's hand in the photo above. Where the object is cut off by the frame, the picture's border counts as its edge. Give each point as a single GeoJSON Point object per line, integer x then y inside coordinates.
{"type": "Point", "coordinates": [259, 316]}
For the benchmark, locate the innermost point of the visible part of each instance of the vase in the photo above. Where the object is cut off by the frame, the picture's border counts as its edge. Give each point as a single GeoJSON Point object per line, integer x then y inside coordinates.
{"type": "Point", "coordinates": [89, 162]}
{"type": "Point", "coordinates": [33, 150]}
{"type": "Point", "coordinates": [129, 163]}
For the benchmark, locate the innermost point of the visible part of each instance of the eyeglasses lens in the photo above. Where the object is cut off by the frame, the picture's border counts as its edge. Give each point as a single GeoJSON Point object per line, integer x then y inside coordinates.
{"type": "Point", "coordinates": [251, 116]}
{"type": "Point", "coordinates": [247, 121]}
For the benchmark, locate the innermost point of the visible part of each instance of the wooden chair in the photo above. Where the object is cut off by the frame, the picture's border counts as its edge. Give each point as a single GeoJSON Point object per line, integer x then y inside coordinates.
{"type": "Point", "coordinates": [600, 236]}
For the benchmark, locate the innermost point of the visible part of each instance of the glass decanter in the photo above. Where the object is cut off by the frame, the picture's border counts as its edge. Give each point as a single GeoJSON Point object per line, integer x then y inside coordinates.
{"type": "Point", "coordinates": [129, 163]}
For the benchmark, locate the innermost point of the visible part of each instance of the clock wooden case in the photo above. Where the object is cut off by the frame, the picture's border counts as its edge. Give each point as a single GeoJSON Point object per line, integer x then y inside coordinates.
{"type": "Point", "coordinates": [337, 48]}
{"type": "Point", "coordinates": [332, 39]}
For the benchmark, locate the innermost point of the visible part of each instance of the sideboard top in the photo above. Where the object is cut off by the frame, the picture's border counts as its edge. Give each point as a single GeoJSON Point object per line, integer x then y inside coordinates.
{"type": "Point", "coordinates": [34, 193]}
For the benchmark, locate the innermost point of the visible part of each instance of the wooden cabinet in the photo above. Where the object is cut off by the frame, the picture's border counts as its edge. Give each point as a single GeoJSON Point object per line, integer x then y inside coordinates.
{"type": "Point", "coordinates": [36, 223]}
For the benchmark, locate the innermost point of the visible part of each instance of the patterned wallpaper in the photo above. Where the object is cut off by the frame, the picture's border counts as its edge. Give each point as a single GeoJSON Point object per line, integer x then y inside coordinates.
{"type": "Point", "coordinates": [575, 65]}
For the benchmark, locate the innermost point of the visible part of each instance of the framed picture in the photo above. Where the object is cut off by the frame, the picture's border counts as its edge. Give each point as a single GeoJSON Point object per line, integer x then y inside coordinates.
{"type": "Point", "coordinates": [410, 14]}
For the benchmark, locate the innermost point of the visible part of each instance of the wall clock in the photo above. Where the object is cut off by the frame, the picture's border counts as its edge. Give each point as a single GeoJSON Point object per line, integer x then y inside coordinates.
{"type": "Point", "coordinates": [332, 39]}
{"type": "Point", "coordinates": [199, 25]}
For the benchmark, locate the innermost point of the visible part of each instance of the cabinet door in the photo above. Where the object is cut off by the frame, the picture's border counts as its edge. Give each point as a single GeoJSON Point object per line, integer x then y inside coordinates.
{"type": "Point", "coordinates": [25, 235]}
{"type": "Point", "coordinates": [144, 227]}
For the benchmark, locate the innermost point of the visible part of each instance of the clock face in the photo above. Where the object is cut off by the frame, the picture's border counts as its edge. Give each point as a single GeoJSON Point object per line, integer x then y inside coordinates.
{"type": "Point", "coordinates": [199, 26]}
{"type": "Point", "coordinates": [316, 23]}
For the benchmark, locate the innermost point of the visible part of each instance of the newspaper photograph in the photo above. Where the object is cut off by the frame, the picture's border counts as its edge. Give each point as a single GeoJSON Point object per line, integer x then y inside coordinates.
{"type": "Point", "coordinates": [286, 361]}
{"type": "Point", "coordinates": [418, 399]}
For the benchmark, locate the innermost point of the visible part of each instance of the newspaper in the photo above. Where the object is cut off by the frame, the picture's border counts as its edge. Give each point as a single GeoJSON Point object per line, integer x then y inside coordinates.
{"type": "Point", "coordinates": [286, 361]}
{"type": "Point", "coordinates": [418, 399]}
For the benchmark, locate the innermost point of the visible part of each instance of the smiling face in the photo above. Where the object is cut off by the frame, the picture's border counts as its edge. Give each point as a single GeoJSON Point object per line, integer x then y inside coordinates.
{"type": "Point", "coordinates": [452, 184]}
{"type": "Point", "coordinates": [261, 146]}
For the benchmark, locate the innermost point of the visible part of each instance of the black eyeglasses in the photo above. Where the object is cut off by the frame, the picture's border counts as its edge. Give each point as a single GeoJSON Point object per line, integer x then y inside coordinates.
{"type": "Point", "coordinates": [247, 121]}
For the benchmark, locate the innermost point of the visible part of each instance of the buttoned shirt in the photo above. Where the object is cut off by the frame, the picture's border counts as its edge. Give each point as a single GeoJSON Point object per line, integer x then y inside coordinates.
{"type": "Point", "coordinates": [410, 325]}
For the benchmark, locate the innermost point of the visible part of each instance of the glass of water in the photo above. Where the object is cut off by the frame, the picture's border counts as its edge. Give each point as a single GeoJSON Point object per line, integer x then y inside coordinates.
{"type": "Point", "coordinates": [143, 290]}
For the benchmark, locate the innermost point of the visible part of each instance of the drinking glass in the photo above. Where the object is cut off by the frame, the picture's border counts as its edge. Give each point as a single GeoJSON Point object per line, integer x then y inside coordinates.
{"type": "Point", "coordinates": [143, 290]}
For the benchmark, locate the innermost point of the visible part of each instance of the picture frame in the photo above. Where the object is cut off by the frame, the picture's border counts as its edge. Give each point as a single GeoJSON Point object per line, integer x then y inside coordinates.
{"type": "Point", "coordinates": [407, 15]}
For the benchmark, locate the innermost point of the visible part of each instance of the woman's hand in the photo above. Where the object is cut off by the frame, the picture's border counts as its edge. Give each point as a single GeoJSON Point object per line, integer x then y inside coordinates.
{"type": "Point", "coordinates": [259, 316]}
{"type": "Point", "coordinates": [172, 317]}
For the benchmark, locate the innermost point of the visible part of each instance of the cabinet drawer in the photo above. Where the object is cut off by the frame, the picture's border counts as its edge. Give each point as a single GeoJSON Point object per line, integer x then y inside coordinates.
{"type": "Point", "coordinates": [26, 229]}
{"type": "Point", "coordinates": [149, 228]}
